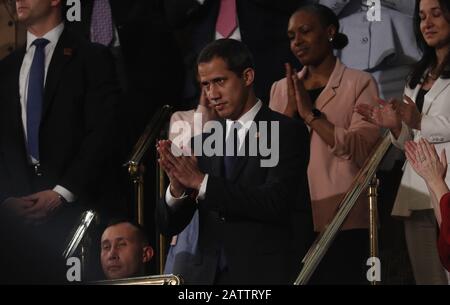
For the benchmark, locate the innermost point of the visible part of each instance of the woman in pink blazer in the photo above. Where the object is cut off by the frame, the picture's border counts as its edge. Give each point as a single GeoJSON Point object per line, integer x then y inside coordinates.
{"type": "Point", "coordinates": [324, 95]}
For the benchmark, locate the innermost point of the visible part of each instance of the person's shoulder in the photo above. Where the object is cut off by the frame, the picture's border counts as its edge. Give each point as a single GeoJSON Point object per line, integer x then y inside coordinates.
{"type": "Point", "coordinates": [12, 58]}
{"type": "Point", "coordinates": [358, 78]}
{"type": "Point", "coordinates": [357, 74]}
{"type": "Point", "coordinates": [83, 45]}
{"type": "Point", "coordinates": [10, 65]}
{"type": "Point", "coordinates": [284, 121]}
{"type": "Point", "coordinates": [276, 116]}
{"type": "Point", "coordinates": [280, 83]}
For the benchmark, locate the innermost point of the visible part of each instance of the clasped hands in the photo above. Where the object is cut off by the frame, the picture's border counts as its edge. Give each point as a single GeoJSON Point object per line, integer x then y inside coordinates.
{"type": "Point", "coordinates": [33, 209]}
{"type": "Point", "coordinates": [298, 98]}
{"type": "Point", "coordinates": [183, 170]}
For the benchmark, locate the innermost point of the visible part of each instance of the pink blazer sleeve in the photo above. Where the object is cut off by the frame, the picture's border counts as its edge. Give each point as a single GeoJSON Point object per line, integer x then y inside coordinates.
{"type": "Point", "coordinates": [278, 96]}
{"type": "Point", "coordinates": [356, 142]}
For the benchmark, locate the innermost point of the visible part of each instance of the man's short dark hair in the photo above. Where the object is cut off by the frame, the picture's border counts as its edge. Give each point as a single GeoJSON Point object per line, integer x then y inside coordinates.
{"type": "Point", "coordinates": [233, 52]}
{"type": "Point", "coordinates": [140, 229]}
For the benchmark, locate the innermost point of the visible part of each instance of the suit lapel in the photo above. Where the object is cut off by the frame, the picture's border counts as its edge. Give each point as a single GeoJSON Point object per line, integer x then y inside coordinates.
{"type": "Point", "coordinates": [215, 162]}
{"type": "Point", "coordinates": [439, 86]}
{"type": "Point", "coordinates": [216, 165]}
{"type": "Point", "coordinates": [242, 161]}
{"type": "Point", "coordinates": [15, 93]}
{"type": "Point", "coordinates": [330, 90]}
{"type": "Point", "coordinates": [412, 93]}
{"type": "Point", "coordinates": [15, 154]}
{"type": "Point", "coordinates": [64, 51]}
{"type": "Point", "coordinates": [16, 78]}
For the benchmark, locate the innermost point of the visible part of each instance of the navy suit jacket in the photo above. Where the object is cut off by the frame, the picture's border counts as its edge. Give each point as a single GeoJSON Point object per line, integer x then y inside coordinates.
{"type": "Point", "coordinates": [249, 215]}
{"type": "Point", "coordinates": [77, 125]}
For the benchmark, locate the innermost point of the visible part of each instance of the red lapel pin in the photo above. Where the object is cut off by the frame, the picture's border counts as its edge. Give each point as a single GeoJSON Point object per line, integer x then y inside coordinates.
{"type": "Point", "coordinates": [68, 51]}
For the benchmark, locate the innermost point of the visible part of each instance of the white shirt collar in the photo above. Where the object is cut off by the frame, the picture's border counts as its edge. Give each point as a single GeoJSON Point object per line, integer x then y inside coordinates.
{"type": "Point", "coordinates": [52, 36]}
{"type": "Point", "coordinates": [247, 118]}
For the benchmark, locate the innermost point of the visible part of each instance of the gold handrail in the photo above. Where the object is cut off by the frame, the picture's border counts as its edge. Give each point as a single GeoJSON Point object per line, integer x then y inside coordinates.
{"type": "Point", "coordinates": [134, 164]}
{"type": "Point", "coordinates": [365, 176]}
{"type": "Point", "coordinates": [161, 187]}
{"type": "Point", "coordinates": [165, 279]}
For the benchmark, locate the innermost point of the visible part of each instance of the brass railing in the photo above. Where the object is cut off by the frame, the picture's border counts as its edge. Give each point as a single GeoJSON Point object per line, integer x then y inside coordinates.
{"type": "Point", "coordinates": [80, 239]}
{"type": "Point", "coordinates": [165, 279]}
{"type": "Point", "coordinates": [134, 164]}
{"type": "Point", "coordinates": [136, 171]}
{"type": "Point", "coordinates": [160, 191]}
{"type": "Point", "coordinates": [365, 178]}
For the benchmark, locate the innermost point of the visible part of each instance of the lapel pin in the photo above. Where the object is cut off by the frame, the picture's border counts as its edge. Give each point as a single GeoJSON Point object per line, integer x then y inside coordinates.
{"type": "Point", "coordinates": [68, 51]}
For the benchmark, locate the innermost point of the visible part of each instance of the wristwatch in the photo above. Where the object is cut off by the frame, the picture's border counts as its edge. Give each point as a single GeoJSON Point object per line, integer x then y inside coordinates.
{"type": "Point", "coordinates": [314, 115]}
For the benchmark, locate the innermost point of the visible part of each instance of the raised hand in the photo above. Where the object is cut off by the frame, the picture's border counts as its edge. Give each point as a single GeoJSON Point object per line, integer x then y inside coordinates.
{"type": "Point", "coordinates": [291, 107]}
{"type": "Point", "coordinates": [302, 99]}
{"type": "Point", "coordinates": [384, 115]}
{"type": "Point", "coordinates": [409, 113]}
{"type": "Point", "coordinates": [182, 170]}
{"type": "Point", "coordinates": [425, 160]}
{"type": "Point", "coordinates": [206, 108]}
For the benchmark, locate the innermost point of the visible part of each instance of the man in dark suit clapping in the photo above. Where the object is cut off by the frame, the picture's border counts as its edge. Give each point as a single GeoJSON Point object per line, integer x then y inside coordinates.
{"type": "Point", "coordinates": [243, 200]}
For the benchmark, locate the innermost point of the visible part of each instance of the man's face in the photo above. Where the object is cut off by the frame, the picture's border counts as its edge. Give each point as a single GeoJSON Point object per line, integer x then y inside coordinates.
{"type": "Point", "coordinates": [122, 253]}
{"type": "Point", "coordinates": [32, 11]}
{"type": "Point", "coordinates": [225, 90]}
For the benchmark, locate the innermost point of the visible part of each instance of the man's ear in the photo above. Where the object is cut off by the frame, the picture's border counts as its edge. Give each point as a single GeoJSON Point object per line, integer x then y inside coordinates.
{"type": "Point", "coordinates": [249, 76]}
{"type": "Point", "coordinates": [147, 254]}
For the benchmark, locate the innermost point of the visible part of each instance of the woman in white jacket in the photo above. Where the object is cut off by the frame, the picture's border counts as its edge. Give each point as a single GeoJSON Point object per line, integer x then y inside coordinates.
{"type": "Point", "coordinates": [424, 112]}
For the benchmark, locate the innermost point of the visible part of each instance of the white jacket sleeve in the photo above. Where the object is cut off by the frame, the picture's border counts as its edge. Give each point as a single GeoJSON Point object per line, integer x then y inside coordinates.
{"type": "Point", "coordinates": [405, 135]}
{"type": "Point", "coordinates": [436, 129]}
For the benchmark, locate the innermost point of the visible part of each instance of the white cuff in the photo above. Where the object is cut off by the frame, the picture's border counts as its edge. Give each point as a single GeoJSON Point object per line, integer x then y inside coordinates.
{"type": "Point", "coordinates": [67, 195]}
{"type": "Point", "coordinates": [173, 201]}
{"type": "Point", "coordinates": [202, 190]}
{"type": "Point", "coordinates": [405, 135]}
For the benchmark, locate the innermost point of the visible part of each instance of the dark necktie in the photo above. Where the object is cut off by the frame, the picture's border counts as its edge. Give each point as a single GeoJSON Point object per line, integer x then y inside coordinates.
{"type": "Point", "coordinates": [230, 158]}
{"type": "Point", "coordinates": [231, 149]}
{"type": "Point", "coordinates": [101, 23]}
{"type": "Point", "coordinates": [35, 97]}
